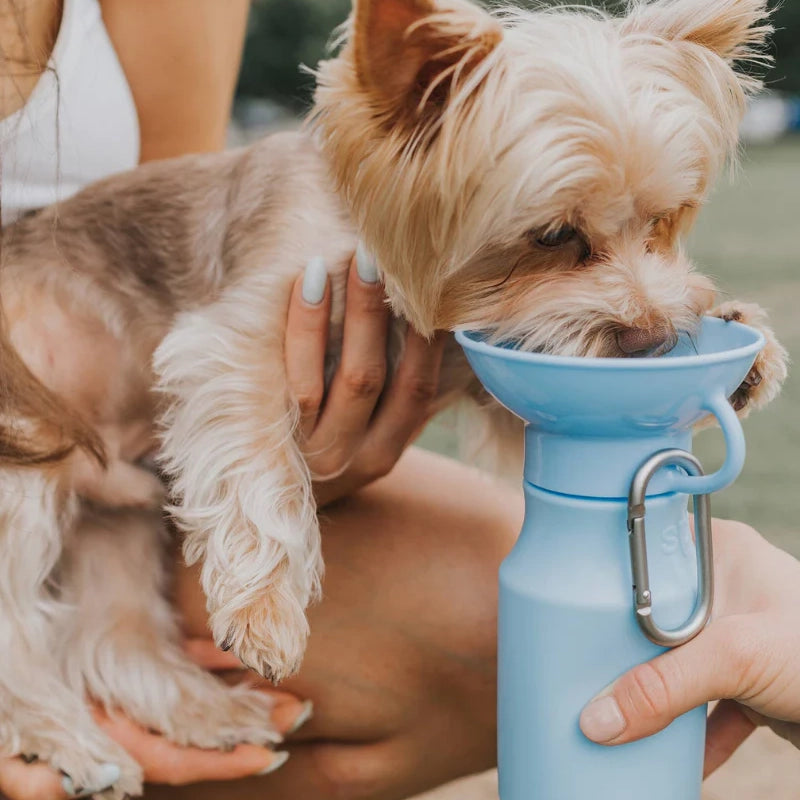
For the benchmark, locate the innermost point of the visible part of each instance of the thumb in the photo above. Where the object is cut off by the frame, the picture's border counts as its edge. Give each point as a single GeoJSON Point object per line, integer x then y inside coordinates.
{"type": "Point", "coordinates": [650, 696]}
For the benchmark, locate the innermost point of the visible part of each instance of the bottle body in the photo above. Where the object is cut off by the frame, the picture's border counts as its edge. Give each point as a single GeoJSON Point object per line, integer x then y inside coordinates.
{"type": "Point", "coordinates": [567, 629]}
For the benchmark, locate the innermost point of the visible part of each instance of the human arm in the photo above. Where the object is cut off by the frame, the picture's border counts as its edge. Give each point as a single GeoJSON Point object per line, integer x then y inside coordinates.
{"type": "Point", "coordinates": [181, 59]}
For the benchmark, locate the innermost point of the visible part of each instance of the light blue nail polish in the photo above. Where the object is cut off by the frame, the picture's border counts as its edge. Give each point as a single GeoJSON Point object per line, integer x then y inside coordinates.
{"type": "Point", "coordinates": [280, 760]}
{"type": "Point", "coordinates": [315, 280]}
{"type": "Point", "coordinates": [365, 265]}
{"type": "Point", "coordinates": [304, 716]}
{"type": "Point", "coordinates": [108, 776]}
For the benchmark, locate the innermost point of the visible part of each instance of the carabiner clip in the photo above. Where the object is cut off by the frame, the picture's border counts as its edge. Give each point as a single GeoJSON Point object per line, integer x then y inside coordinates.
{"type": "Point", "coordinates": [642, 596]}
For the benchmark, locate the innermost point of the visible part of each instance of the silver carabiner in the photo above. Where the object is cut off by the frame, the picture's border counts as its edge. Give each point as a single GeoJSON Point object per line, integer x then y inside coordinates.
{"type": "Point", "coordinates": [642, 596]}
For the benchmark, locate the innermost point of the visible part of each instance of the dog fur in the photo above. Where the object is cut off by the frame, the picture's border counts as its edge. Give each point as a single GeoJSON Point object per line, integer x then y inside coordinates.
{"type": "Point", "coordinates": [531, 174]}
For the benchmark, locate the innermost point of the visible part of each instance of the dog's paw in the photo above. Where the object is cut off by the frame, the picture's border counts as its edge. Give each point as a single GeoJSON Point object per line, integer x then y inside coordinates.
{"type": "Point", "coordinates": [765, 379]}
{"type": "Point", "coordinates": [89, 768]}
{"type": "Point", "coordinates": [220, 717]}
{"type": "Point", "coordinates": [268, 635]}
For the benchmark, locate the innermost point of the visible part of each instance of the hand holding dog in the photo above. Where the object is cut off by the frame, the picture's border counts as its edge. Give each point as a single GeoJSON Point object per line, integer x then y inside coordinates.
{"type": "Point", "coordinates": [356, 432]}
{"type": "Point", "coordinates": [163, 761]}
{"type": "Point", "coordinates": [749, 654]}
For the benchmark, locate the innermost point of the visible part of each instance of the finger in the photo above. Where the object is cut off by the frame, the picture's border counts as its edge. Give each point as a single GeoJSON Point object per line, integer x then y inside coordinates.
{"type": "Point", "coordinates": [166, 762]}
{"type": "Point", "coordinates": [400, 417]}
{"type": "Point", "coordinates": [21, 781]}
{"type": "Point", "coordinates": [650, 696]}
{"type": "Point", "coordinates": [291, 714]}
{"type": "Point", "coordinates": [306, 341]}
{"type": "Point", "coordinates": [409, 399]}
{"type": "Point", "coordinates": [288, 714]}
{"type": "Point", "coordinates": [360, 378]}
{"type": "Point", "coordinates": [207, 655]}
{"type": "Point", "coordinates": [728, 727]}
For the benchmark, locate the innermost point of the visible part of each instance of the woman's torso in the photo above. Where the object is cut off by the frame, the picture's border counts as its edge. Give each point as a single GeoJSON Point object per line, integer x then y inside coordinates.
{"type": "Point", "coordinates": [79, 123]}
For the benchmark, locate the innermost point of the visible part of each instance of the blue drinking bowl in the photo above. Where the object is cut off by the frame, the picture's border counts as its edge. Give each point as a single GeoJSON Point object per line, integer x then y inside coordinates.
{"type": "Point", "coordinates": [622, 402]}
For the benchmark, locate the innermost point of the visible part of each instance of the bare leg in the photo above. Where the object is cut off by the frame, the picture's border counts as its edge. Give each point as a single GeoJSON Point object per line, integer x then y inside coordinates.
{"type": "Point", "coordinates": [401, 662]}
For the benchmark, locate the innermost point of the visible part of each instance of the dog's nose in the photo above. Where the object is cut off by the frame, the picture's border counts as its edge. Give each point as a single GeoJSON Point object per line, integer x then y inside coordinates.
{"type": "Point", "coordinates": [640, 342]}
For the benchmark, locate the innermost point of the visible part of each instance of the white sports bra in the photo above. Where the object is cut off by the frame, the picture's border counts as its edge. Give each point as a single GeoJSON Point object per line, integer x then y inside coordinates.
{"type": "Point", "coordinates": [79, 123]}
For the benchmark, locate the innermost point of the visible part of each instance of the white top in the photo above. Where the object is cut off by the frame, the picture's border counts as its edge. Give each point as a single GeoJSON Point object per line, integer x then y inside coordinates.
{"type": "Point", "coordinates": [79, 123]}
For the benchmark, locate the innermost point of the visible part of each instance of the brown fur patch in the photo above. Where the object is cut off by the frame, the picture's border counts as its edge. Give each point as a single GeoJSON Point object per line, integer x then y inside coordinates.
{"type": "Point", "coordinates": [35, 426]}
{"type": "Point", "coordinates": [412, 54]}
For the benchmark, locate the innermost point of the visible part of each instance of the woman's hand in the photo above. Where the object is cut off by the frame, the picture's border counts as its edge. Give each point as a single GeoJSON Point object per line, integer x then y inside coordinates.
{"type": "Point", "coordinates": [749, 654]}
{"type": "Point", "coordinates": [162, 761]}
{"type": "Point", "coordinates": [356, 432]}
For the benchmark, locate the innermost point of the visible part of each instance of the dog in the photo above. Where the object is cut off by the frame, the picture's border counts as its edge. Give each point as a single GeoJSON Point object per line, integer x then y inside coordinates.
{"type": "Point", "coordinates": [527, 173]}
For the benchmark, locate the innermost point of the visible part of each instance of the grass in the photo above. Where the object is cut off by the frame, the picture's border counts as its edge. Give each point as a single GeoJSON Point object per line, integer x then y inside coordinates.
{"type": "Point", "coordinates": [748, 238]}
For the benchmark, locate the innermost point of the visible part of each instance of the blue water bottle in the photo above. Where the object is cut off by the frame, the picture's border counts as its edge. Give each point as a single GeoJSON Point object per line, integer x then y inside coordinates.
{"type": "Point", "coordinates": [608, 471]}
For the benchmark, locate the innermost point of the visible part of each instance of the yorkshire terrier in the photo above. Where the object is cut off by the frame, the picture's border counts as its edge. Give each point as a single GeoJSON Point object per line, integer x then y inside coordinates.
{"type": "Point", "coordinates": [528, 173]}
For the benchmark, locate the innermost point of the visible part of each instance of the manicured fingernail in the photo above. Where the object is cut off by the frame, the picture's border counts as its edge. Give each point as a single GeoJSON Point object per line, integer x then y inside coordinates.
{"type": "Point", "coordinates": [602, 720]}
{"type": "Point", "coordinates": [366, 266]}
{"type": "Point", "coordinates": [280, 759]}
{"type": "Point", "coordinates": [306, 712]}
{"type": "Point", "coordinates": [315, 280]}
{"type": "Point", "coordinates": [108, 776]}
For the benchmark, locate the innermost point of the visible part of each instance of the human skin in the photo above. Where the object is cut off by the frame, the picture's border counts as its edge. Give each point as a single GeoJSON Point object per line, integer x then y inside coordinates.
{"type": "Point", "coordinates": [748, 655]}
{"type": "Point", "coordinates": [401, 664]}
{"type": "Point", "coordinates": [198, 44]}
{"type": "Point", "coordinates": [402, 652]}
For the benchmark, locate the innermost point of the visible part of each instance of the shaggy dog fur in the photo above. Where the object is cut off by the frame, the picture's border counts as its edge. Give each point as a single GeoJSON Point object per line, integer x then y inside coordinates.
{"type": "Point", "coordinates": [531, 174]}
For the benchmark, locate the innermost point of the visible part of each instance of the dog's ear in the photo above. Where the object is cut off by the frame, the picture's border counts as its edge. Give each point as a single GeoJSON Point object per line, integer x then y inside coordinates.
{"type": "Point", "coordinates": [411, 53]}
{"type": "Point", "coordinates": [734, 29]}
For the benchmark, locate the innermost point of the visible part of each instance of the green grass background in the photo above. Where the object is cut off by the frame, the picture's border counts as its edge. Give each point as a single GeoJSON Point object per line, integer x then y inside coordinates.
{"type": "Point", "coordinates": [748, 238]}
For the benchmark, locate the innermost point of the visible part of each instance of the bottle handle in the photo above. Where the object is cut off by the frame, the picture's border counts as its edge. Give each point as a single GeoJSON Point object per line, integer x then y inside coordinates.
{"type": "Point", "coordinates": [642, 596]}
{"type": "Point", "coordinates": [680, 482]}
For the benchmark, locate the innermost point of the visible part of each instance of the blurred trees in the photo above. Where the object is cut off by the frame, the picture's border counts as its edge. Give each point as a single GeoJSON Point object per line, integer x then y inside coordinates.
{"type": "Point", "coordinates": [786, 75]}
{"type": "Point", "coordinates": [283, 34]}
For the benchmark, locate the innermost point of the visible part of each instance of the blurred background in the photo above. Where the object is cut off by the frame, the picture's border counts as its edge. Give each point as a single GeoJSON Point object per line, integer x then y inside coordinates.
{"type": "Point", "coordinates": [748, 237]}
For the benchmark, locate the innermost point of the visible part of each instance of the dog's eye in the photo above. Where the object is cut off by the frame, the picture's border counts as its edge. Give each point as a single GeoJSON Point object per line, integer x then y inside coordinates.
{"type": "Point", "coordinates": [553, 238]}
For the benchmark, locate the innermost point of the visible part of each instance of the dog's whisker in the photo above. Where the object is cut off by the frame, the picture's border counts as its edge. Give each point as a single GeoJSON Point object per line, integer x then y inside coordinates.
{"type": "Point", "coordinates": [461, 147]}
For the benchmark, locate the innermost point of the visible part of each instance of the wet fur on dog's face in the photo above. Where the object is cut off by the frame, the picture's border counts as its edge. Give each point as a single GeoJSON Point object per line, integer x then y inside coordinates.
{"type": "Point", "coordinates": [533, 173]}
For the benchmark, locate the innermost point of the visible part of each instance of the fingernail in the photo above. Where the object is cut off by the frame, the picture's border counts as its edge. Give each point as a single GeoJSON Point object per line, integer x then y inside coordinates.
{"type": "Point", "coordinates": [365, 265]}
{"type": "Point", "coordinates": [108, 776]}
{"type": "Point", "coordinates": [315, 280]}
{"type": "Point", "coordinates": [602, 720]}
{"type": "Point", "coordinates": [280, 759]}
{"type": "Point", "coordinates": [306, 712]}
